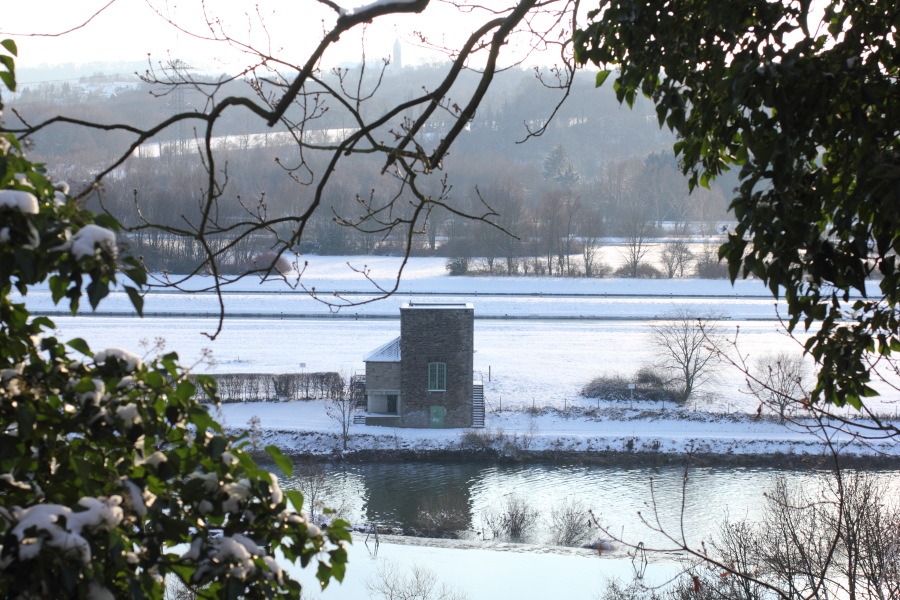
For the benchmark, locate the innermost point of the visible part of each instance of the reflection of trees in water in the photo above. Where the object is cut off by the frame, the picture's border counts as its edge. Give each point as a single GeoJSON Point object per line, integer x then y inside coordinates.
{"type": "Point", "coordinates": [394, 493]}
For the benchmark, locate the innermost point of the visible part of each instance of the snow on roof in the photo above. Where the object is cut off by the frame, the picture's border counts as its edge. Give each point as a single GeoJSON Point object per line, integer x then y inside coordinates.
{"type": "Point", "coordinates": [389, 352]}
{"type": "Point", "coordinates": [439, 305]}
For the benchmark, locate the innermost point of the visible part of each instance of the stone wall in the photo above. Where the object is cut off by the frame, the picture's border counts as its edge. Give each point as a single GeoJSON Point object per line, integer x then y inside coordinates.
{"type": "Point", "coordinates": [430, 333]}
{"type": "Point", "coordinates": [383, 376]}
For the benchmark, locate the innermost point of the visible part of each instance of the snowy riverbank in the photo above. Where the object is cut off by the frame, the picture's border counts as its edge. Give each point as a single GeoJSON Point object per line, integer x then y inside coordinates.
{"type": "Point", "coordinates": [303, 428]}
{"type": "Point", "coordinates": [543, 340]}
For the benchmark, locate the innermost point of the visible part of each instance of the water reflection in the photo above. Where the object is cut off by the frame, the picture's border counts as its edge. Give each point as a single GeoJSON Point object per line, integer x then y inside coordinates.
{"type": "Point", "coordinates": [392, 494]}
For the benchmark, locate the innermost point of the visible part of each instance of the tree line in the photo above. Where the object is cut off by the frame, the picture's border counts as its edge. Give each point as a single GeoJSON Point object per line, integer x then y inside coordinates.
{"type": "Point", "coordinates": [592, 176]}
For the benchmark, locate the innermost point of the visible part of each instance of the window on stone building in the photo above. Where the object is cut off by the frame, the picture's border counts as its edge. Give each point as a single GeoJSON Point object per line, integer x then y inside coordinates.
{"type": "Point", "coordinates": [437, 377]}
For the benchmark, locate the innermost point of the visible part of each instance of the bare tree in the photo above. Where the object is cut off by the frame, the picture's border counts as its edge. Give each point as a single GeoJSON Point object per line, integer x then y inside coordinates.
{"type": "Point", "coordinates": [690, 349]}
{"type": "Point", "coordinates": [590, 230]}
{"type": "Point", "coordinates": [341, 408]}
{"type": "Point", "coordinates": [331, 119]}
{"type": "Point", "coordinates": [312, 481]}
{"type": "Point", "coordinates": [834, 536]}
{"type": "Point", "coordinates": [676, 256]}
{"type": "Point", "coordinates": [505, 198]}
{"type": "Point", "coordinates": [779, 380]}
{"type": "Point", "coordinates": [391, 583]}
{"type": "Point", "coordinates": [636, 231]}
{"type": "Point", "coordinates": [551, 223]}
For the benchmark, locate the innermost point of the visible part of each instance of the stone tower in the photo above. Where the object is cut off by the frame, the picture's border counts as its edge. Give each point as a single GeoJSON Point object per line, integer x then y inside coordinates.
{"type": "Point", "coordinates": [437, 349]}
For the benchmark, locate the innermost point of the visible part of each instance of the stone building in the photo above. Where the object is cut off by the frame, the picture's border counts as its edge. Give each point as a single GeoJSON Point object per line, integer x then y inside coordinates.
{"type": "Point", "coordinates": [424, 377]}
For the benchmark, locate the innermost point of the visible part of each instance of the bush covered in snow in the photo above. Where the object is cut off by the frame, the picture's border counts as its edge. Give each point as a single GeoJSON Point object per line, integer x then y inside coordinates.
{"type": "Point", "coordinates": [113, 477]}
{"type": "Point", "coordinates": [649, 385]}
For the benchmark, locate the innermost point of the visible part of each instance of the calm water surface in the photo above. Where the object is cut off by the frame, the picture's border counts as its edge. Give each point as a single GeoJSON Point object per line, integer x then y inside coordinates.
{"type": "Point", "coordinates": [392, 494]}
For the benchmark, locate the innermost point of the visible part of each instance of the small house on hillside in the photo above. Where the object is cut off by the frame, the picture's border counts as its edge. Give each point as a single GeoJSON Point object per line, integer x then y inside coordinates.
{"type": "Point", "coordinates": [424, 377]}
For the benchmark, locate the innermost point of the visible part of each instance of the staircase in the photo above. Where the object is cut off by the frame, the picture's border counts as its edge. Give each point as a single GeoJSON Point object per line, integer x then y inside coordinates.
{"type": "Point", "coordinates": [478, 405]}
{"type": "Point", "coordinates": [358, 390]}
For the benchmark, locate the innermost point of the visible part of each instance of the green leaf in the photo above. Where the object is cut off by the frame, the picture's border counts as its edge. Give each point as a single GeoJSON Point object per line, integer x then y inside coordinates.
{"type": "Point", "coordinates": [136, 299]}
{"type": "Point", "coordinates": [10, 46]}
{"type": "Point", "coordinates": [81, 346]}
{"type": "Point", "coordinates": [338, 563]}
{"type": "Point", "coordinates": [185, 390]}
{"type": "Point", "coordinates": [295, 498]}
{"type": "Point", "coordinates": [9, 80]}
{"type": "Point", "coordinates": [58, 287]}
{"type": "Point", "coordinates": [282, 461]}
{"type": "Point", "coordinates": [601, 77]}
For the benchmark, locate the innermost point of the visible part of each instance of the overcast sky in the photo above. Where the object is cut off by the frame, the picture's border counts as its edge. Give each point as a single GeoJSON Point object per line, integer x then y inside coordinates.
{"type": "Point", "coordinates": [127, 30]}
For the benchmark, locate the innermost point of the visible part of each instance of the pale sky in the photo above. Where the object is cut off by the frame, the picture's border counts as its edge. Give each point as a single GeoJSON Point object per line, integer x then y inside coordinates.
{"type": "Point", "coordinates": [130, 29]}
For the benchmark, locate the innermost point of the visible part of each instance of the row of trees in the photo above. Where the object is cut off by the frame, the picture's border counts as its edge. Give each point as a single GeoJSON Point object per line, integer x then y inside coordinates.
{"type": "Point", "coordinates": [540, 197]}
{"type": "Point", "coordinates": [633, 202]}
{"type": "Point", "coordinates": [636, 256]}
{"type": "Point", "coordinates": [285, 387]}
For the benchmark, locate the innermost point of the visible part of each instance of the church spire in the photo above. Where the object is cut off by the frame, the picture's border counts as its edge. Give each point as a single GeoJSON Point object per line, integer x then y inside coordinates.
{"type": "Point", "coordinates": [398, 58]}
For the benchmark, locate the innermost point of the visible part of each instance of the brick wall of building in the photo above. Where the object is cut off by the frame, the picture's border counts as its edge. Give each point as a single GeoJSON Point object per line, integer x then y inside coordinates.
{"type": "Point", "coordinates": [429, 334]}
{"type": "Point", "coordinates": [383, 375]}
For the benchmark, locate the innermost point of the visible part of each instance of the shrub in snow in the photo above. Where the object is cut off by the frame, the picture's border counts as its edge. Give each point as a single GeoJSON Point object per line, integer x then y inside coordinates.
{"type": "Point", "coordinates": [390, 582]}
{"type": "Point", "coordinates": [570, 522]}
{"type": "Point", "coordinates": [513, 518]}
{"type": "Point", "coordinates": [649, 386]}
{"type": "Point", "coordinates": [109, 466]}
{"type": "Point", "coordinates": [278, 263]}
{"type": "Point", "coordinates": [458, 265]}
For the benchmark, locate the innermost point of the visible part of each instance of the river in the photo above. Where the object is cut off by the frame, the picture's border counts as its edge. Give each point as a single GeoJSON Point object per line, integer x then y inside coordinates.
{"type": "Point", "coordinates": [392, 495]}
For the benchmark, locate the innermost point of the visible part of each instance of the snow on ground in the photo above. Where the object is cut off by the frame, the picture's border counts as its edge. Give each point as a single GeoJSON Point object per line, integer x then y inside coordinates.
{"type": "Point", "coordinates": [533, 371]}
{"type": "Point", "coordinates": [515, 571]}
{"type": "Point", "coordinates": [524, 363]}
{"type": "Point", "coordinates": [304, 428]}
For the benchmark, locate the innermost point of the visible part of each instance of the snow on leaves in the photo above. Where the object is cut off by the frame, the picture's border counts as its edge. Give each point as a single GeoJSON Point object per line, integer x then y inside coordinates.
{"type": "Point", "coordinates": [110, 461]}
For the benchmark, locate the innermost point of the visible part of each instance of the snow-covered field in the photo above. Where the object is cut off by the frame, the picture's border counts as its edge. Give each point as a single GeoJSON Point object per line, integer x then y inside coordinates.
{"type": "Point", "coordinates": [536, 364]}
{"type": "Point", "coordinates": [533, 369]}
{"type": "Point", "coordinates": [342, 291]}
{"type": "Point", "coordinates": [510, 571]}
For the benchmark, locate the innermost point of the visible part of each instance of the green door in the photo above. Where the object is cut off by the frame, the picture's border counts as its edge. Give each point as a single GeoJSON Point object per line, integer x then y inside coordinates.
{"type": "Point", "coordinates": [437, 417]}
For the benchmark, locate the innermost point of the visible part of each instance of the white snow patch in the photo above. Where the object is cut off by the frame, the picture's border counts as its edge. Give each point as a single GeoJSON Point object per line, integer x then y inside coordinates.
{"type": "Point", "coordinates": [132, 361]}
{"type": "Point", "coordinates": [24, 202]}
{"type": "Point", "coordinates": [90, 237]}
{"type": "Point", "coordinates": [43, 520]}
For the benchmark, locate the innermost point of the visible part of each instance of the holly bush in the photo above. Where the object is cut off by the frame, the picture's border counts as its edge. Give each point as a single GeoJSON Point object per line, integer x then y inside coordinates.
{"type": "Point", "coordinates": [114, 478]}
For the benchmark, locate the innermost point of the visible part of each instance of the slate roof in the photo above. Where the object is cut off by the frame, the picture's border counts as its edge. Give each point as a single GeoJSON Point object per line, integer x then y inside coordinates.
{"type": "Point", "coordinates": [389, 352]}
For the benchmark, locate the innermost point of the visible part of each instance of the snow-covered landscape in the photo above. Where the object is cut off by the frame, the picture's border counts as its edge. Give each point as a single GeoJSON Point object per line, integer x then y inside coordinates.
{"type": "Point", "coordinates": [538, 341]}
